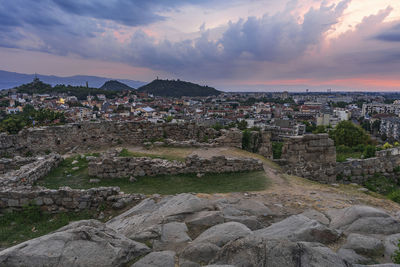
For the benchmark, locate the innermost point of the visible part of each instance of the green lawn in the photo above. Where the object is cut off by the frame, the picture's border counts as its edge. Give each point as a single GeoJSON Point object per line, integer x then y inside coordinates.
{"type": "Point", "coordinates": [165, 184]}
{"type": "Point", "coordinates": [19, 226]}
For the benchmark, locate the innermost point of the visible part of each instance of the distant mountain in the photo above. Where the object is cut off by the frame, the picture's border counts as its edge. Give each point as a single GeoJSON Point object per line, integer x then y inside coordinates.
{"type": "Point", "coordinates": [12, 79]}
{"type": "Point", "coordinates": [177, 88]}
{"type": "Point", "coordinates": [114, 85]}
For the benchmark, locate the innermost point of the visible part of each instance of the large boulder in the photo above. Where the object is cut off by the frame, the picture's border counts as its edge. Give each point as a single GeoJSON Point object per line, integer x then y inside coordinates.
{"type": "Point", "coordinates": [299, 228]}
{"type": "Point", "coordinates": [141, 224]}
{"type": "Point", "coordinates": [260, 251]}
{"type": "Point", "coordinates": [200, 252]}
{"type": "Point", "coordinates": [157, 259]}
{"type": "Point", "coordinates": [364, 245]}
{"type": "Point", "coordinates": [374, 225]}
{"type": "Point", "coordinates": [203, 220]}
{"type": "Point", "coordinates": [173, 237]}
{"type": "Point", "coordinates": [352, 257]}
{"type": "Point", "coordinates": [250, 221]}
{"type": "Point", "coordinates": [341, 219]}
{"type": "Point", "coordinates": [83, 243]}
{"type": "Point", "coordinates": [223, 233]}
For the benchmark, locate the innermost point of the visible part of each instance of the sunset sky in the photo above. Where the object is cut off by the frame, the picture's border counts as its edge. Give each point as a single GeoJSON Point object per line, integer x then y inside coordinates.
{"type": "Point", "coordinates": [229, 44]}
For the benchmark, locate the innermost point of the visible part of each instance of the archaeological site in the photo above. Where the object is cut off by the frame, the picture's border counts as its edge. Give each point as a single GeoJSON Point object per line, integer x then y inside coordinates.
{"type": "Point", "coordinates": [179, 194]}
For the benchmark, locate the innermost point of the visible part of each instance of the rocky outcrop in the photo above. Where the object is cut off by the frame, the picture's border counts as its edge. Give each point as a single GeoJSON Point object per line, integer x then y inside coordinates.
{"type": "Point", "coordinates": [83, 243]}
{"type": "Point", "coordinates": [190, 231]}
{"type": "Point", "coordinates": [260, 251]}
{"type": "Point", "coordinates": [299, 228]}
{"type": "Point", "coordinates": [157, 259]}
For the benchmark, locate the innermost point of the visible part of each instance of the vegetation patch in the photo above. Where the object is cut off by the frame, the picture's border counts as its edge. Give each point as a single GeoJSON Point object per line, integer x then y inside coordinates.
{"type": "Point", "coordinates": [357, 152]}
{"type": "Point", "coordinates": [277, 149]}
{"type": "Point", "coordinates": [31, 222]}
{"type": "Point", "coordinates": [68, 175]}
{"type": "Point", "coordinates": [385, 186]}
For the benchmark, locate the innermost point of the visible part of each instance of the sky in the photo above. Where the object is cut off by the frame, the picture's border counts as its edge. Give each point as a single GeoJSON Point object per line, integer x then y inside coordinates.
{"type": "Point", "coordinates": [233, 45]}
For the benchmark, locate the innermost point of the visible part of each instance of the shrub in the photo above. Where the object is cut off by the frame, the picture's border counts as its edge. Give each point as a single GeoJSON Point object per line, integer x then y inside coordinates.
{"type": "Point", "coordinates": [218, 126]}
{"type": "Point", "coordinates": [369, 151]}
{"type": "Point", "coordinates": [395, 196]}
{"type": "Point", "coordinates": [343, 149]}
{"type": "Point", "coordinates": [349, 134]}
{"type": "Point", "coordinates": [246, 139]}
{"type": "Point", "coordinates": [387, 146]}
{"type": "Point", "coordinates": [277, 149]}
{"type": "Point", "coordinates": [396, 254]}
{"type": "Point", "coordinates": [380, 184]}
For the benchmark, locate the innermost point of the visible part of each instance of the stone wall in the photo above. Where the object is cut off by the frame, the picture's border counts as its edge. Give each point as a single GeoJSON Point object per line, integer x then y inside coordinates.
{"type": "Point", "coordinates": [30, 173]}
{"type": "Point", "coordinates": [312, 156]}
{"type": "Point", "coordinates": [97, 134]}
{"type": "Point", "coordinates": [63, 199]}
{"type": "Point", "coordinates": [9, 164]}
{"type": "Point", "coordinates": [359, 170]}
{"type": "Point", "coordinates": [117, 167]}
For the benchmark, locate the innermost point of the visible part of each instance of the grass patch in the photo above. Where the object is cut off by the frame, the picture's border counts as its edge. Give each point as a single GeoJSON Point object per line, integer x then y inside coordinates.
{"type": "Point", "coordinates": [343, 156]}
{"type": "Point", "coordinates": [64, 175]}
{"type": "Point", "coordinates": [126, 153]}
{"type": "Point", "coordinates": [385, 186]}
{"type": "Point", "coordinates": [209, 183]}
{"type": "Point", "coordinates": [19, 226]}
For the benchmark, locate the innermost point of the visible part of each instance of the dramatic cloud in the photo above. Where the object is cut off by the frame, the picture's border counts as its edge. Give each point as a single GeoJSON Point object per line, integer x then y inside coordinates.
{"type": "Point", "coordinates": [293, 42]}
{"type": "Point", "coordinates": [391, 35]}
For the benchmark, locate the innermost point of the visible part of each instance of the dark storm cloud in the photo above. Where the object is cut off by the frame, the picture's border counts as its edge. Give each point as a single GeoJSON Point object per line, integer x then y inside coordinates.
{"type": "Point", "coordinates": [391, 35]}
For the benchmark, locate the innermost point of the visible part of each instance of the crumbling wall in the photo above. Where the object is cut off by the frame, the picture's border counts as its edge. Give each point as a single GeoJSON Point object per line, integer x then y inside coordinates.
{"type": "Point", "coordinates": [63, 138]}
{"type": "Point", "coordinates": [312, 156]}
{"type": "Point", "coordinates": [359, 170]}
{"type": "Point", "coordinates": [117, 167]}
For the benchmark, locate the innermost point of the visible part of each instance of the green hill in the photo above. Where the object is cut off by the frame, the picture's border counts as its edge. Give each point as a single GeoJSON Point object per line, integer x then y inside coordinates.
{"type": "Point", "coordinates": [114, 85]}
{"type": "Point", "coordinates": [177, 88]}
{"type": "Point", "coordinates": [81, 92]}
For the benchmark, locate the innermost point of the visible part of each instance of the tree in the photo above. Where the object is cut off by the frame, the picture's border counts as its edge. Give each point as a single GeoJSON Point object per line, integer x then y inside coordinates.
{"type": "Point", "coordinates": [242, 125]}
{"type": "Point", "coordinates": [319, 129]}
{"type": "Point", "coordinates": [348, 134]}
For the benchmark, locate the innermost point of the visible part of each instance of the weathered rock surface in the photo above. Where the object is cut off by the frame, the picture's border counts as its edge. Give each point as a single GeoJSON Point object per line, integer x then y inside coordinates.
{"type": "Point", "coordinates": [157, 259]}
{"type": "Point", "coordinates": [200, 252]}
{"type": "Point", "coordinates": [352, 257]}
{"type": "Point", "coordinates": [260, 251]}
{"type": "Point", "coordinates": [239, 207]}
{"type": "Point", "coordinates": [223, 233]}
{"type": "Point", "coordinates": [341, 219]}
{"type": "Point", "coordinates": [83, 243]}
{"type": "Point", "coordinates": [173, 237]}
{"type": "Point", "coordinates": [316, 215]}
{"type": "Point", "coordinates": [365, 245]}
{"type": "Point", "coordinates": [299, 228]}
{"type": "Point", "coordinates": [144, 221]}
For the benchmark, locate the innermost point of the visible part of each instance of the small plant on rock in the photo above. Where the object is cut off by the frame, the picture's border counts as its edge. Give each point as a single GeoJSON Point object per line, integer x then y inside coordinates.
{"type": "Point", "coordinates": [396, 254]}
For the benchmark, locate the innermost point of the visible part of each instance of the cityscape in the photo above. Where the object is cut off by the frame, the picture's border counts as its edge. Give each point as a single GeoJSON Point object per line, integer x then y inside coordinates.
{"type": "Point", "coordinates": [149, 133]}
